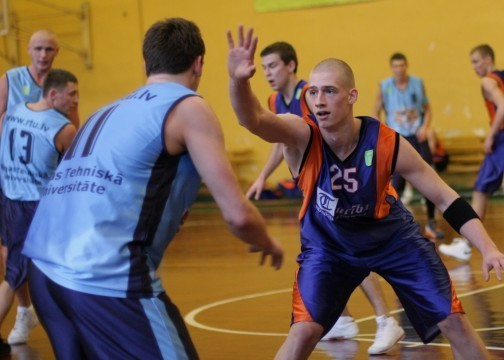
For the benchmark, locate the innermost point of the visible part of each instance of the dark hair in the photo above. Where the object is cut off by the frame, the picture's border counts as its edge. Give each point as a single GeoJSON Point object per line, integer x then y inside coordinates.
{"type": "Point", "coordinates": [484, 50]}
{"type": "Point", "coordinates": [57, 79]}
{"type": "Point", "coordinates": [171, 46]}
{"type": "Point", "coordinates": [284, 50]}
{"type": "Point", "coordinates": [398, 56]}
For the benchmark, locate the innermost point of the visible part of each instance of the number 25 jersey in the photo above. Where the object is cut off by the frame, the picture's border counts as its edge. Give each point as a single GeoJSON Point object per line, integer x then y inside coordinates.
{"type": "Point", "coordinates": [349, 205]}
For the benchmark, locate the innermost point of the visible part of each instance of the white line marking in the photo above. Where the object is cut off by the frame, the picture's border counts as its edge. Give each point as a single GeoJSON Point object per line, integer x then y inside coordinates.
{"type": "Point", "coordinates": [190, 318]}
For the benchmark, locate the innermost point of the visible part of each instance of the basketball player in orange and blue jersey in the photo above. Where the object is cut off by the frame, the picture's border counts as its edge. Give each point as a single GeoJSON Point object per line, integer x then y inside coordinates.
{"type": "Point", "coordinates": [491, 172]}
{"type": "Point", "coordinates": [351, 220]}
{"type": "Point", "coordinates": [280, 64]}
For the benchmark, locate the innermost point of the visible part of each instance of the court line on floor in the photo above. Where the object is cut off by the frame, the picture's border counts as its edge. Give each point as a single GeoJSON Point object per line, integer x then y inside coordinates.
{"type": "Point", "coordinates": [190, 317]}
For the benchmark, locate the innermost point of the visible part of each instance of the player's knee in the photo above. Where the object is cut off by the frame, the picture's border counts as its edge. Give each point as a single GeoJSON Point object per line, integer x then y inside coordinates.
{"type": "Point", "coordinates": [453, 324]}
{"type": "Point", "coordinates": [307, 332]}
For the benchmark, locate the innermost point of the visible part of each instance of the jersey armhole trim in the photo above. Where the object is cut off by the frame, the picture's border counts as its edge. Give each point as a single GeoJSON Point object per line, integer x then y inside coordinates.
{"type": "Point", "coordinates": [307, 150]}
{"type": "Point", "coordinates": [396, 151]}
{"type": "Point", "coordinates": [175, 103]}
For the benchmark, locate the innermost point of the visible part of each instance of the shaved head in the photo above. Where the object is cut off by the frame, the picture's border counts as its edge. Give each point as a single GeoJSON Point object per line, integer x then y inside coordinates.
{"type": "Point", "coordinates": [43, 35]}
{"type": "Point", "coordinates": [341, 68]}
{"type": "Point", "coordinates": [42, 48]}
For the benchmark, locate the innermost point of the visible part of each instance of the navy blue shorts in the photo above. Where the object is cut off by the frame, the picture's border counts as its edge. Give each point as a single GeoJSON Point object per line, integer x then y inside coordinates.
{"type": "Point", "coordinates": [325, 281]}
{"type": "Point", "coordinates": [490, 174]}
{"type": "Point", "coordinates": [16, 217]}
{"type": "Point", "coordinates": [85, 326]}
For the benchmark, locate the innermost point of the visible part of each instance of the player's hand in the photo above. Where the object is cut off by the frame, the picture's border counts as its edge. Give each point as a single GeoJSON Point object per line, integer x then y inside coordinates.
{"type": "Point", "coordinates": [241, 57]}
{"type": "Point", "coordinates": [421, 134]}
{"type": "Point", "coordinates": [274, 250]}
{"type": "Point", "coordinates": [256, 188]}
{"type": "Point", "coordinates": [493, 259]}
{"type": "Point", "coordinates": [488, 144]}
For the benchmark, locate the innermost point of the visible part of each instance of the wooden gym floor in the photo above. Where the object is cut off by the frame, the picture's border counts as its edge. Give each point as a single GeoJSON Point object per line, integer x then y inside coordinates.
{"type": "Point", "coordinates": [238, 310]}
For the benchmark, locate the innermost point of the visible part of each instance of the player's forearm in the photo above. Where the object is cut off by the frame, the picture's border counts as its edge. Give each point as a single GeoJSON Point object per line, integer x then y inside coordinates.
{"type": "Point", "coordinates": [274, 160]}
{"type": "Point", "coordinates": [474, 231]}
{"type": "Point", "coordinates": [427, 119]}
{"type": "Point", "coordinates": [246, 223]}
{"type": "Point", "coordinates": [245, 104]}
{"type": "Point", "coordinates": [498, 121]}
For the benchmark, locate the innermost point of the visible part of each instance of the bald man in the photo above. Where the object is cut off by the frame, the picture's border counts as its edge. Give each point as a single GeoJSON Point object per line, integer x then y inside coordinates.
{"type": "Point", "coordinates": [351, 219]}
{"type": "Point", "coordinates": [24, 84]}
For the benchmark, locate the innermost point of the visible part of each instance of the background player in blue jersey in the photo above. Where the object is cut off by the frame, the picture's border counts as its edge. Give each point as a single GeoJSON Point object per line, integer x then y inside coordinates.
{"type": "Point", "coordinates": [24, 84]}
{"type": "Point", "coordinates": [117, 200]}
{"type": "Point", "coordinates": [407, 110]}
{"type": "Point", "coordinates": [492, 169]}
{"type": "Point", "coordinates": [34, 137]}
{"type": "Point", "coordinates": [351, 220]}
{"type": "Point", "coordinates": [280, 63]}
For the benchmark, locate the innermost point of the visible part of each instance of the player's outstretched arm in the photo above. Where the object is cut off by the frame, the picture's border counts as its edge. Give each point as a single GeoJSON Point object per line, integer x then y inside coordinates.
{"type": "Point", "coordinates": [288, 129]}
{"type": "Point", "coordinates": [275, 158]}
{"type": "Point", "coordinates": [456, 211]}
{"type": "Point", "coordinates": [193, 126]}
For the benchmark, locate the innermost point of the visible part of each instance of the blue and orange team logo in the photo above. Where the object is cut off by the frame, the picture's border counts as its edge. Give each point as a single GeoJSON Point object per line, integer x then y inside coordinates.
{"type": "Point", "coordinates": [326, 203]}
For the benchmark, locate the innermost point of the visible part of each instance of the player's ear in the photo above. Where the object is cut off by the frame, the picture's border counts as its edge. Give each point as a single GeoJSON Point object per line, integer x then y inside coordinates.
{"type": "Point", "coordinates": [51, 95]}
{"type": "Point", "coordinates": [291, 66]}
{"type": "Point", "coordinates": [198, 66]}
{"type": "Point", "coordinates": [353, 95]}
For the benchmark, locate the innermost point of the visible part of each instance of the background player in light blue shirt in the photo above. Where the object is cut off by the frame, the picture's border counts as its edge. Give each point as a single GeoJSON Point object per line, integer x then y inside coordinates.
{"type": "Point", "coordinates": [407, 110]}
{"type": "Point", "coordinates": [34, 137]}
{"type": "Point", "coordinates": [24, 84]}
{"type": "Point", "coordinates": [117, 200]}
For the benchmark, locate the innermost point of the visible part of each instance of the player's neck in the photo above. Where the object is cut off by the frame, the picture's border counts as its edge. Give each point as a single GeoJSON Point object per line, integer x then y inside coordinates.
{"type": "Point", "coordinates": [38, 76]}
{"type": "Point", "coordinates": [183, 79]}
{"type": "Point", "coordinates": [402, 82]}
{"type": "Point", "coordinates": [290, 88]}
{"type": "Point", "coordinates": [40, 105]}
{"type": "Point", "coordinates": [344, 137]}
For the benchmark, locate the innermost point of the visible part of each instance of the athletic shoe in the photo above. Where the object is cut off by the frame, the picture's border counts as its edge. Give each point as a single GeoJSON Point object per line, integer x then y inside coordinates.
{"type": "Point", "coordinates": [407, 195]}
{"type": "Point", "coordinates": [387, 335]}
{"type": "Point", "coordinates": [5, 348]}
{"type": "Point", "coordinates": [26, 319]}
{"type": "Point", "coordinates": [458, 249]}
{"type": "Point", "coordinates": [345, 328]}
{"type": "Point", "coordinates": [432, 231]}
{"type": "Point", "coordinates": [461, 275]}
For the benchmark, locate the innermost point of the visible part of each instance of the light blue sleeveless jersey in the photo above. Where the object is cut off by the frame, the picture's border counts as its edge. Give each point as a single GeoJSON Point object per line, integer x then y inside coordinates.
{"type": "Point", "coordinates": [404, 108]}
{"type": "Point", "coordinates": [28, 156]}
{"type": "Point", "coordinates": [116, 199]}
{"type": "Point", "coordinates": [21, 87]}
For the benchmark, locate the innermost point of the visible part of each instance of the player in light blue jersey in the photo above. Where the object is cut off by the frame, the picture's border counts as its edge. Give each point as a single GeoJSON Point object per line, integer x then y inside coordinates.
{"type": "Point", "coordinates": [33, 139]}
{"type": "Point", "coordinates": [407, 110]}
{"type": "Point", "coordinates": [24, 83]}
{"type": "Point", "coordinates": [351, 220]}
{"type": "Point", "coordinates": [117, 200]}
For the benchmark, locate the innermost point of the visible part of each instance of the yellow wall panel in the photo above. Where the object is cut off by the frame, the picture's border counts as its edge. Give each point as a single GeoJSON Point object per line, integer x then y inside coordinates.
{"type": "Point", "coordinates": [436, 36]}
